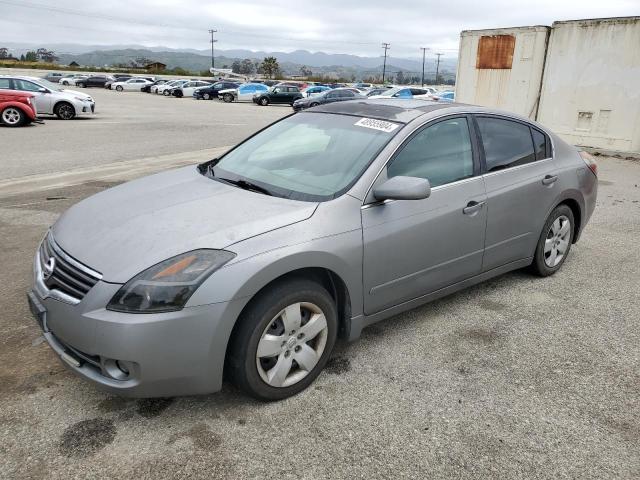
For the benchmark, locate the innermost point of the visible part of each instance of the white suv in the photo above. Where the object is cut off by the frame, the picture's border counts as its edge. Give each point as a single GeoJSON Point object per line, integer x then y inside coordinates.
{"type": "Point", "coordinates": [51, 99]}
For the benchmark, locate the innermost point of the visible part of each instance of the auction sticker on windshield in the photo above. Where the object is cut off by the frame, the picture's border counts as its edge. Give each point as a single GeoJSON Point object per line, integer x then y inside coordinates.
{"type": "Point", "coordinates": [377, 124]}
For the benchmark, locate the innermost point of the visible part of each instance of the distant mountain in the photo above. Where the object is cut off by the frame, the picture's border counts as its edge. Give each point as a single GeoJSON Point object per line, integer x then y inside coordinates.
{"type": "Point", "coordinates": [196, 60]}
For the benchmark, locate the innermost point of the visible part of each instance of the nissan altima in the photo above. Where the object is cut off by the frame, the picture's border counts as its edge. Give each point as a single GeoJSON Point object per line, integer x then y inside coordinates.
{"type": "Point", "coordinates": [327, 221]}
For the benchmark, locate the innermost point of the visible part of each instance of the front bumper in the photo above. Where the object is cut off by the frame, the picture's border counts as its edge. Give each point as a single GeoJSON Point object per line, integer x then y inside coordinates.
{"type": "Point", "coordinates": [165, 354]}
{"type": "Point", "coordinates": [85, 107]}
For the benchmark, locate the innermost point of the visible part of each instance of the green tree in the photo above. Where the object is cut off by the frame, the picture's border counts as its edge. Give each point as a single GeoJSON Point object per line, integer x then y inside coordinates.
{"type": "Point", "coordinates": [270, 67]}
{"type": "Point", "coordinates": [246, 67]}
{"type": "Point", "coordinates": [4, 53]}
{"type": "Point", "coordinates": [31, 57]}
{"type": "Point", "coordinates": [236, 66]}
{"type": "Point", "coordinates": [305, 71]}
{"type": "Point", "coordinates": [22, 58]}
{"type": "Point", "coordinates": [46, 55]}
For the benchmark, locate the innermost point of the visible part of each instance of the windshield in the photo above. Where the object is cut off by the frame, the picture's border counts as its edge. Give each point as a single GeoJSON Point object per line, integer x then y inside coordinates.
{"type": "Point", "coordinates": [307, 156]}
{"type": "Point", "coordinates": [47, 84]}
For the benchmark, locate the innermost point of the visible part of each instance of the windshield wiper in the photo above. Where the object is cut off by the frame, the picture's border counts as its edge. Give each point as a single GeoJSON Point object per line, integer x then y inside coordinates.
{"type": "Point", "coordinates": [246, 185]}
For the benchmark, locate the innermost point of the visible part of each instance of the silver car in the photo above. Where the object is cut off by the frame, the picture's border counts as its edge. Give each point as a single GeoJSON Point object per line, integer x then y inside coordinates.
{"type": "Point", "coordinates": [323, 223]}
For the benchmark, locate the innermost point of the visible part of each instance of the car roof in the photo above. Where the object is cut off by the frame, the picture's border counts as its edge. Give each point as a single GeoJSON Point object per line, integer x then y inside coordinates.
{"type": "Point", "coordinates": [393, 109]}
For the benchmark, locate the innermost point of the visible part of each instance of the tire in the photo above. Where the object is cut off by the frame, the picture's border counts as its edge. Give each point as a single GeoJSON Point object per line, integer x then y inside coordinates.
{"type": "Point", "coordinates": [265, 317]}
{"type": "Point", "coordinates": [13, 117]}
{"type": "Point", "coordinates": [227, 97]}
{"type": "Point", "coordinates": [206, 96]}
{"type": "Point", "coordinates": [179, 94]}
{"type": "Point", "coordinates": [82, 85]}
{"type": "Point", "coordinates": [314, 104]}
{"type": "Point", "coordinates": [119, 88]}
{"type": "Point", "coordinates": [64, 111]}
{"type": "Point", "coordinates": [166, 93]}
{"type": "Point", "coordinates": [554, 243]}
{"type": "Point", "coordinates": [264, 101]}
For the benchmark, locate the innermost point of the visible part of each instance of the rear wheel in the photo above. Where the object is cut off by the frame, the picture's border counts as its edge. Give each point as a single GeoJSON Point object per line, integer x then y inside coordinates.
{"type": "Point", "coordinates": [554, 243]}
{"type": "Point", "coordinates": [283, 340]}
{"type": "Point", "coordinates": [227, 97]}
{"type": "Point", "coordinates": [64, 111]}
{"type": "Point", "coordinates": [13, 117]}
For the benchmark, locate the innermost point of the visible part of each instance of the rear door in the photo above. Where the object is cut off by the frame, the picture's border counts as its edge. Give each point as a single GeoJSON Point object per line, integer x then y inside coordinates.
{"type": "Point", "coordinates": [415, 247]}
{"type": "Point", "coordinates": [520, 181]}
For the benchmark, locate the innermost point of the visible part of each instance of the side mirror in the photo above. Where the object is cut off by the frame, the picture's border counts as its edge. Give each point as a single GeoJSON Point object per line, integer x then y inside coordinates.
{"type": "Point", "coordinates": [43, 90]}
{"type": "Point", "coordinates": [403, 188]}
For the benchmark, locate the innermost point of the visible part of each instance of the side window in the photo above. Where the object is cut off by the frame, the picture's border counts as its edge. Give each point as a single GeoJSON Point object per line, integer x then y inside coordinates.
{"type": "Point", "coordinates": [26, 86]}
{"type": "Point", "coordinates": [333, 95]}
{"type": "Point", "coordinates": [540, 144]}
{"type": "Point", "coordinates": [347, 94]}
{"type": "Point", "coordinates": [5, 84]}
{"type": "Point", "coordinates": [417, 91]}
{"type": "Point", "coordinates": [506, 143]}
{"type": "Point", "coordinates": [441, 153]}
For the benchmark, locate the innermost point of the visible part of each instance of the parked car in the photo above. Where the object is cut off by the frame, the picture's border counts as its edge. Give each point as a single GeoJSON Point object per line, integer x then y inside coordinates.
{"type": "Point", "coordinates": [187, 89]}
{"type": "Point", "coordinates": [314, 90]}
{"type": "Point", "coordinates": [118, 77]}
{"type": "Point", "coordinates": [147, 88]}
{"type": "Point", "coordinates": [278, 94]}
{"type": "Point", "coordinates": [72, 79]}
{"type": "Point", "coordinates": [329, 96]}
{"type": "Point", "coordinates": [54, 77]}
{"type": "Point", "coordinates": [324, 223]}
{"type": "Point", "coordinates": [51, 98]}
{"type": "Point", "coordinates": [17, 108]}
{"type": "Point", "coordinates": [244, 92]}
{"type": "Point", "coordinates": [166, 88]}
{"type": "Point", "coordinates": [211, 91]}
{"type": "Point", "coordinates": [130, 85]}
{"type": "Point", "coordinates": [446, 96]}
{"type": "Point", "coordinates": [95, 81]}
{"type": "Point", "coordinates": [268, 83]}
{"type": "Point", "coordinates": [362, 86]}
{"type": "Point", "coordinates": [406, 92]}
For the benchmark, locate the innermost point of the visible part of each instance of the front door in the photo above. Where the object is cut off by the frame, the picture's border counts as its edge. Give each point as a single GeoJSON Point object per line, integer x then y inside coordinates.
{"type": "Point", "coordinates": [43, 100]}
{"type": "Point", "coordinates": [415, 247]}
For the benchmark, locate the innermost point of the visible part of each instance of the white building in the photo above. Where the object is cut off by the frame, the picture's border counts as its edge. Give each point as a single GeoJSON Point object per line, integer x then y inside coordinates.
{"type": "Point", "coordinates": [581, 78]}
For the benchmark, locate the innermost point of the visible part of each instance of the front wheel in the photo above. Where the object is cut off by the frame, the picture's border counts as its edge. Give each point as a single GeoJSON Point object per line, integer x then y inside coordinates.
{"type": "Point", "coordinates": [314, 104]}
{"type": "Point", "coordinates": [13, 117]}
{"type": "Point", "coordinates": [206, 96]}
{"type": "Point", "coordinates": [264, 101]}
{"type": "Point", "coordinates": [554, 243]}
{"type": "Point", "coordinates": [227, 98]}
{"type": "Point", "coordinates": [119, 88]}
{"type": "Point", "coordinates": [65, 111]}
{"type": "Point", "coordinates": [166, 93]}
{"type": "Point", "coordinates": [283, 340]}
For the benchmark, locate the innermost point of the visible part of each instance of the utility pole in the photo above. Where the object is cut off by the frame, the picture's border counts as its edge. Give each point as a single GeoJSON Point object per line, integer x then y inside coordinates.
{"type": "Point", "coordinates": [438, 66]}
{"type": "Point", "coordinates": [213, 62]}
{"type": "Point", "coordinates": [386, 47]}
{"type": "Point", "coordinates": [424, 52]}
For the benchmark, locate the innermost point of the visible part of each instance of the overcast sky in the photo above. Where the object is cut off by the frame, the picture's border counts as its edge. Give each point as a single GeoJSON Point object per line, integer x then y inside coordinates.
{"type": "Point", "coordinates": [335, 26]}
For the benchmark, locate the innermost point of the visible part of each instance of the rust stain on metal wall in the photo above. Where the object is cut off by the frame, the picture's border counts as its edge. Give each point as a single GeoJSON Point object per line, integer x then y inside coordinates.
{"type": "Point", "coordinates": [495, 51]}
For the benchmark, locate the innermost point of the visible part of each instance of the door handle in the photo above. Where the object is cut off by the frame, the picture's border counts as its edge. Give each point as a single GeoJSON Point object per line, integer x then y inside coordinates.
{"type": "Point", "coordinates": [549, 179]}
{"type": "Point", "coordinates": [472, 207]}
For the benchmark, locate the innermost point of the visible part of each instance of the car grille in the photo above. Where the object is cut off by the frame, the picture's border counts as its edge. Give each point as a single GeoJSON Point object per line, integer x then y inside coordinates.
{"type": "Point", "coordinates": [64, 274]}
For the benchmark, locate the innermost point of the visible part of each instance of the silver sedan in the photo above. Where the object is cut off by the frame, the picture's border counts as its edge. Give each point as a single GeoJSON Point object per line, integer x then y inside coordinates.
{"type": "Point", "coordinates": [316, 227]}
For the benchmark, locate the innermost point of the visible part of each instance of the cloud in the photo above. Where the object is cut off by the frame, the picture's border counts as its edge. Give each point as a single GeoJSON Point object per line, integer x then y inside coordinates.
{"type": "Point", "coordinates": [335, 26]}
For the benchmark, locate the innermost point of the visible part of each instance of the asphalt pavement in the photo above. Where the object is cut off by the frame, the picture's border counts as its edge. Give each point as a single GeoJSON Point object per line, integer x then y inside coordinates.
{"type": "Point", "coordinates": [519, 377]}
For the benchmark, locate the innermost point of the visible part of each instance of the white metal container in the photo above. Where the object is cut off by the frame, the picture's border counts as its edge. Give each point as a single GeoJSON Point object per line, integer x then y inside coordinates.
{"type": "Point", "coordinates": [591, 84]}
{"type": "Point", "coordinates": [502, 68]}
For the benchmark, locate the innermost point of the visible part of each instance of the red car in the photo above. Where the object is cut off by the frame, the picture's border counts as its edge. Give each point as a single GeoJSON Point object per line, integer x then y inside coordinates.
{"type": "Point", "coordinates": [17, 108]}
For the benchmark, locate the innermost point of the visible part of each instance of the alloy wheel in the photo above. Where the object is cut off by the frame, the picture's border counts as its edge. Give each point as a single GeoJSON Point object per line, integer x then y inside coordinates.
{"type": "Point", "coordinates": [292, 344]}
{"type": "Point", "coordinates": [66, 112]}
{"type": "Point", "coordinates": [11, 116]}
{"type": "Point", "coordinates": [557, 241]}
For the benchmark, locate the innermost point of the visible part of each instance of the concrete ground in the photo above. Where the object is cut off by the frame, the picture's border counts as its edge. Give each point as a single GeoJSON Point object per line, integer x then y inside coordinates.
{"type": "Point", "coordinates": [520, 377]}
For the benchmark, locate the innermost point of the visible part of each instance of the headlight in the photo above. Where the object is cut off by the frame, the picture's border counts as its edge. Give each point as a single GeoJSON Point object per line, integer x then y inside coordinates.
{"type": "Point", "coordinates": [167, 286]}
{"type": "Point", "coordinates": [82, 99]}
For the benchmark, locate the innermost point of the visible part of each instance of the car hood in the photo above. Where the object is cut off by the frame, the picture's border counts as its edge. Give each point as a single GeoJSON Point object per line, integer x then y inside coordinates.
{"type": "Point", "coordinates": [126, 229]}
{"type": "Point", "coordinates": [74, 93]}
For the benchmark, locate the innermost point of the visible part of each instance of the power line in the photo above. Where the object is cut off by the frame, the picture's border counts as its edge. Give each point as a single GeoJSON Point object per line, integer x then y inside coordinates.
{"type": "Point", "coordinates": [386, 47]}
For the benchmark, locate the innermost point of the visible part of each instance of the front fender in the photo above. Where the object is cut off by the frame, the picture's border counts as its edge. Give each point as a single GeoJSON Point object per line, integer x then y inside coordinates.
{"type": "Point", "coordinates": [25, 108]}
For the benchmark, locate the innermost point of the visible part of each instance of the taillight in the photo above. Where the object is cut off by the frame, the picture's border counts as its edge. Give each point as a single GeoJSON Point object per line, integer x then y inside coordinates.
{"type": "Point", "coordinates": [590, 161]}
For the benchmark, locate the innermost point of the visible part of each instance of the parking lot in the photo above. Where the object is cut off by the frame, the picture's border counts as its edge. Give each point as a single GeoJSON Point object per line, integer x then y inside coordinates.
{"type": "Point", "coordinates": [519, 377]}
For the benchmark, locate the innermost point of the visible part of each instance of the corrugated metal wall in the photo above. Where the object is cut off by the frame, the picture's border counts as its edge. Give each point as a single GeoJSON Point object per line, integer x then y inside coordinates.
{"type": "Point", "coordinates": [502, 68]}
{"type": "Point", "coordinates": [580, 78]}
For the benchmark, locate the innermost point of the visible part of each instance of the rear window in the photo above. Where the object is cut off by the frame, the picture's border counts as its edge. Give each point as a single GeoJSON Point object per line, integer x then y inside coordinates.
{"type": "Point", "coordinates": [506, 143]}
